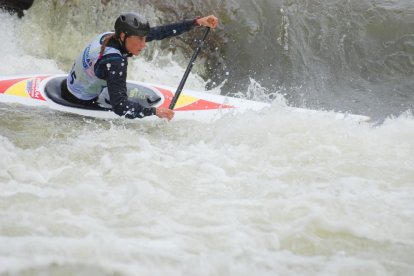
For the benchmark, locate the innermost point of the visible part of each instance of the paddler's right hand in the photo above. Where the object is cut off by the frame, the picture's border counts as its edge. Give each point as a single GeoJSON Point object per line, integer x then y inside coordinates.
{"type": "Point", "coordinates": [162, 112]}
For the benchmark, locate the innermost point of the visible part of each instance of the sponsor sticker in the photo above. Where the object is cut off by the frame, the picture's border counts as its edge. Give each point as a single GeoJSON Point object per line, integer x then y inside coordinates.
{"type": "Point", "coordinates": [86, 60]}
{"type": "Point", "coordinates": [32, 87]}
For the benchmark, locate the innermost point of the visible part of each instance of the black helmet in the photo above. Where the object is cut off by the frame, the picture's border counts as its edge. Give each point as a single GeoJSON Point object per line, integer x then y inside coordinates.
{"type": "Point", "coordinates": [131, 23]}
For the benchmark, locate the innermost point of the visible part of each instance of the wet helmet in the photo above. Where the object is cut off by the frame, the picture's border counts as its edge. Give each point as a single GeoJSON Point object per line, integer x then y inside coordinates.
{"type": "Point", "coordinates": [131, 23]}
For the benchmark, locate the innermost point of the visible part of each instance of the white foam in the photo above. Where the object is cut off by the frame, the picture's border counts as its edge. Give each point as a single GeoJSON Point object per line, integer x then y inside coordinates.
{"type": "Point", "coordinates": [13, 59]}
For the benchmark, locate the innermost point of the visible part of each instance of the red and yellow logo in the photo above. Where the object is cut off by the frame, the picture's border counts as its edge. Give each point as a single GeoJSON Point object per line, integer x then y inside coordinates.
{"type": "Point", "coordinates": [189, 103]}
{"type": "Point", "coordinates": [22, 87]}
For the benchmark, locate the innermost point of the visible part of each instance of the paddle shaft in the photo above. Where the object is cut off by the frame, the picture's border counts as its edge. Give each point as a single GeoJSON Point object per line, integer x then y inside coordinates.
{"type": "Point", "coordinates": [188, 70]}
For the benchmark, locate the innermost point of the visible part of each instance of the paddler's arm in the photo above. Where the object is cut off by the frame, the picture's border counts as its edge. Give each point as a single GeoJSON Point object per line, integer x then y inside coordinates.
{"type": "Point", "coordinates": [113, 69]}
{"type": "Point", "coordinates": [174, 29]}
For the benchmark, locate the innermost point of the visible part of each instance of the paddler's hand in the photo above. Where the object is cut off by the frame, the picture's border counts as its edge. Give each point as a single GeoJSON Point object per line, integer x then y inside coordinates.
{"type": "Point", "coordinates": [162, 112]}
{"type": "Point", "coordinates": [208, 21]}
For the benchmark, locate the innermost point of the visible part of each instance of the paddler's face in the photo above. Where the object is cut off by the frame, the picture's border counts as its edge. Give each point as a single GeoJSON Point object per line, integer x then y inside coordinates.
{"type": "Point", "coordinates": [134, 44]}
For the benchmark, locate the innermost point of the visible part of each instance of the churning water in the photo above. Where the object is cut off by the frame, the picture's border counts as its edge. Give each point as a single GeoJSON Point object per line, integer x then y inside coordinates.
{"type": "Point", "coordinates": [274, 192]}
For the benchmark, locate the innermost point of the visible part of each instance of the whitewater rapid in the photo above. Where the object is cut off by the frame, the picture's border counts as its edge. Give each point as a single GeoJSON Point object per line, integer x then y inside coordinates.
{"type": "Point", "coordinates": [274, 192]}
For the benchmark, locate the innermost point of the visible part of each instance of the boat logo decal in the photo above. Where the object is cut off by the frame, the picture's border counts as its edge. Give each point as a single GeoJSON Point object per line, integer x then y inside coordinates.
{"type": "Point", "coordinates": [23, 87]}
{"type": "Point", "coordinates": [190, 103]}
{"type": "Point", "coordinates": [32, 87]}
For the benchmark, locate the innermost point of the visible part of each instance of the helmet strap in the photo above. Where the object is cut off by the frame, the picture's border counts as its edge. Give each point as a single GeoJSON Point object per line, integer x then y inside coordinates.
{"type": "Point", "coordinates": [123, 44]}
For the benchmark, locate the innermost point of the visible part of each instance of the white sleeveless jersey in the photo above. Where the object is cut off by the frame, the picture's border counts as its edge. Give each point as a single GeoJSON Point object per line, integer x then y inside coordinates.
{"type": "Point", "coordinates": [82, 81]}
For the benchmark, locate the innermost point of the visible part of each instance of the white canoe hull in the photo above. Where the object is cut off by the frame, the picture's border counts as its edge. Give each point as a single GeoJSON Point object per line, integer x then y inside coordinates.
{"type": "Point", "coordinates": [36, 91]}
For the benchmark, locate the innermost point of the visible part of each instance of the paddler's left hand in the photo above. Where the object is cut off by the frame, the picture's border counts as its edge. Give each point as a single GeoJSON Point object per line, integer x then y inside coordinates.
{"type": "Point", "coordinates": [208, 21]}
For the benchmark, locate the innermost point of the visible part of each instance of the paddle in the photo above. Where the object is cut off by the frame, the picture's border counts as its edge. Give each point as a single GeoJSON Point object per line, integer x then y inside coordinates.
{"type": "Point", "coordinates": [187, 71]}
